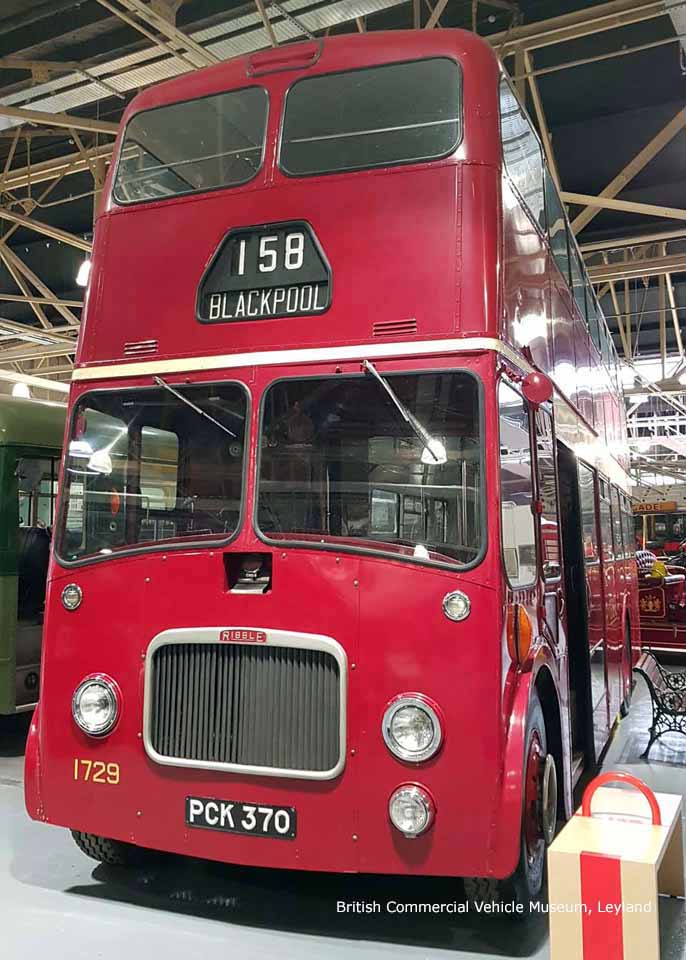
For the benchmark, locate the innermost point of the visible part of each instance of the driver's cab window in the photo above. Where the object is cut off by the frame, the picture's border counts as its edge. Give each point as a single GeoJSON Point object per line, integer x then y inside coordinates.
{"type": "Point", "coordinates": [516, 488]}
{"type": "Point", "coordinates": [547, 492]}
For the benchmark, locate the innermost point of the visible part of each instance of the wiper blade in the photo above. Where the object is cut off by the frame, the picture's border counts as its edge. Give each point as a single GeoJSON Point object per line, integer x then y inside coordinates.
{"type": "Point", "coordinates": [193, 406]}
{"type": "Point", "coordinates": [430, 443]}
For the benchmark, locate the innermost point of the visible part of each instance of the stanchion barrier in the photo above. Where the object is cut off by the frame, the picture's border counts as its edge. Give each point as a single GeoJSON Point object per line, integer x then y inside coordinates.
{"type": "Point", "coordinates": [605, 872]}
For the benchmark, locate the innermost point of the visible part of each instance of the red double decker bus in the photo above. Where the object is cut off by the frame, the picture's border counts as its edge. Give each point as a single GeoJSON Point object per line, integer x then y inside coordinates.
{"type": "Point", "coordinates": [343, 578]}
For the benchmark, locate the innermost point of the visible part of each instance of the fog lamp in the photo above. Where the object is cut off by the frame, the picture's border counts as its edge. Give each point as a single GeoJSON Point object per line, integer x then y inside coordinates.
{"type": "Point", "coordinates": [411, 728]}
{"type": "Point", "coordinates": [456, 605]}
{"type": "Point", "coordinates": [411, 810]}
{"type": "Point", "coordinates": [95, 705]}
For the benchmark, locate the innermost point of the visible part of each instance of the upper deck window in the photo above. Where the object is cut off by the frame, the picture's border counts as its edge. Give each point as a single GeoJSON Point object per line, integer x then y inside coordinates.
{"type": "Point", "coordinates": [521, 152]}
{"type": "Point", "coordinates": [374, 117]}
{"type": "Point", "coordinates": [193, 146]}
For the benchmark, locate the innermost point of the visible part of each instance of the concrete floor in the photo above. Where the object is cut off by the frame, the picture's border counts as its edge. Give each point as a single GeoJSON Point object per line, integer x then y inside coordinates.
{"type": "Point", "coordinates": [54, 901]}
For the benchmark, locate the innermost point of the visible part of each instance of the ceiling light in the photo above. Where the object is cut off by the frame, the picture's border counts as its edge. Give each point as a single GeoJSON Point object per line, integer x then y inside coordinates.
{"type": "Point", "coordinates": [84, 273]}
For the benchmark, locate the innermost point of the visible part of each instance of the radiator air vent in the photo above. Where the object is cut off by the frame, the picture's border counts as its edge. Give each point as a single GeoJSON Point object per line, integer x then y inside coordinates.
{"type": "Point", "coordinates": [140, 348]}
{"type": "Point", "coordinates": [394, 328]}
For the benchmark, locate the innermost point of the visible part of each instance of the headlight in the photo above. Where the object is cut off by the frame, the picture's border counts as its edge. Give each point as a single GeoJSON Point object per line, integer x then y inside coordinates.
{"type": "Point", "coordinates": [411, 810]}
{"type": "Point", "coordinates": [411, 729]}
{"type": "Point", "coordinates": [95, 705]}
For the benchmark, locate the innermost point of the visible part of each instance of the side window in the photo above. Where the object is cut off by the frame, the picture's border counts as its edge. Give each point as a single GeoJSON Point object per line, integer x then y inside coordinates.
{"type": "Point", "coordinates": [557, 228]}
{"type": "Point", "coordinates": [617, 524]}
{"type": "Point", "coordinates": [577, 274]}
{"type": "Point", "coordinates": [516, 485]}
{"type": "Point", "coordinates": [605, 523]}
{"type": "Point", "coordinates": [522, 153]}
{"type": "Point", "coordinates": [594, 319]}
{"type": "Point", "coordinates": [629, 534]}
{"type": "Point", "coordinates": [547, 491]}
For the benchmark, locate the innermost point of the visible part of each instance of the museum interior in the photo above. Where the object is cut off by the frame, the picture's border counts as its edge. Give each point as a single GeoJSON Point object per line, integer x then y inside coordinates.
{"type": "Point", "coordinates": [343, 479]}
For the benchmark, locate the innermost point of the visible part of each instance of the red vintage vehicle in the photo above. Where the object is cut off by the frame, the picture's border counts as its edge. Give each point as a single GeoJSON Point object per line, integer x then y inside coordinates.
{"type": "Point", "coordinates": [317, 595]}
{"type": "Point", "coordinates": [662, 604]}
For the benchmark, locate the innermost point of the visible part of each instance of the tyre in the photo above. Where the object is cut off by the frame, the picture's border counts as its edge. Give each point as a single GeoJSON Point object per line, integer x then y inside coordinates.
{"type": "Point", "coordinates": [539, 813]}
{"type": "Point", "coordinates": [539, 818]}
{"type": "Point", "coordinates": [114, 852]}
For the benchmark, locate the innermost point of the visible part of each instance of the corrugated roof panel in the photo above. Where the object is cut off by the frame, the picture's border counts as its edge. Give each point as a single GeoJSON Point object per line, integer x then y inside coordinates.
{"type": "Point", "coordinates": [234, 37]}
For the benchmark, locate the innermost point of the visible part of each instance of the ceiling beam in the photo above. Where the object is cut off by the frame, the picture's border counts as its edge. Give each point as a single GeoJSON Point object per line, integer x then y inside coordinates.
{"type": "Point", "coordinates": [10, 256]}
{"type": "Point", "coordinates": [40, 383]}
{"type": "Point", "coordinates": [192, 50]}
{"type": "Point", "coordinates": [627, 173]}
{"type": "Point", "coordinates": [627, 270]}
{"type": "Point", "coordinates": [58, 119]}
{"type": "Point", "coordinates": [23, 286]}
{"type": "Point", "coordinates": [26, 330]}
{"type": "Point", "coordinates": [47, 301]}
{"type": "Point", "coordinates": [607, 203]}
{"type": "Point", "coordinates": [17, 354]}
{"type": "Point", "coordinates": [267, 23]}
{"type": "Point", "coordinates": [23, 177]}
{"type": "Point", "coordinates": [633, 241]}
{"type": "Point", "coordinates": [581, 23]}
{"type": "Point", "coordinates": [542, 123]}
{"type": "Point", "coordinates": [436, 14]}
{"type": "Point", "coordinates": [46, 229]}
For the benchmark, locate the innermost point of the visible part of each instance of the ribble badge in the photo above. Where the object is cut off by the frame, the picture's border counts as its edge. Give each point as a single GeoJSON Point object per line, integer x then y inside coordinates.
{"type": "Point", "coordinates": [265, 272]}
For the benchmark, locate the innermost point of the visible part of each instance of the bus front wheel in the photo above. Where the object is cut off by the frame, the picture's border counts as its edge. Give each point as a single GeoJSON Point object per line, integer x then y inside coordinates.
{"type": "Point", "coordinates": [539, 820]}
{"type": "Point", "coordinates": [114, 852]}
{"type": "Point", "coordinates": [539, 814]}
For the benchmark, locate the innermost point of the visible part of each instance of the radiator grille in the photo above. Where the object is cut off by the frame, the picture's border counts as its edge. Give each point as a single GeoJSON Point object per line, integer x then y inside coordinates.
{"type": "Point", "coordinates": [237, 704]}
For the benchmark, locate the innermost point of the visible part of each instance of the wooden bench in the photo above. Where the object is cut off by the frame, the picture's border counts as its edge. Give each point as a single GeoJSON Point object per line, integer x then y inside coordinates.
{"type": "Point", "coordinates": [668, 695]}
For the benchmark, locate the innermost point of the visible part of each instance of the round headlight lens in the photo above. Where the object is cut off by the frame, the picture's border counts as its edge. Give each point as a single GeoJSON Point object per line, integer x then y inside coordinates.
{"type": "Point", "coordinates": [72, 595]}
{"type": "Point", "coordinates": [95, 706]}
{"type": "Point", "coordinates": [411, 810]}
{"type": "Point", "coordinates": [411, 729]}
{"type": "Point", "coordinates": [456, 605]}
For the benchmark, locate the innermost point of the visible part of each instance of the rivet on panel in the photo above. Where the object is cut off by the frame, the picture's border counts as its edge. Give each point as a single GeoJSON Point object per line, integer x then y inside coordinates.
{"type": "Point", "coordinates": [338, 559]}
{"type": "Point", "coordinates": [353, 666]}
{"type": "Point", "coordinates": [283, 556]}
{"type": "Point", "coordinates": [354, 836]}
{"type": "Point", "coordinates": [139, 813]}
{"type": "Point", "coordinates": [147, 579]}
{"type": "Point", "coordinates": [356, 583]}
{"type": "Point", "coordinates": [352, 752]}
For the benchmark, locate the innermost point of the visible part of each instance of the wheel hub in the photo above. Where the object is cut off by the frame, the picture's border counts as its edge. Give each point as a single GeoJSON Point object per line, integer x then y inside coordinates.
{"type": "Point", "coordinates": [540, 798]}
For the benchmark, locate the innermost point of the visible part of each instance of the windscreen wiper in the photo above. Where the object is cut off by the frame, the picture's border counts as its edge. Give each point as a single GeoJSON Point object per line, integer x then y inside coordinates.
{"type": "Point", "coordinates": [433, 446]}
{"type": "Point", "coordinates": [193, 406]}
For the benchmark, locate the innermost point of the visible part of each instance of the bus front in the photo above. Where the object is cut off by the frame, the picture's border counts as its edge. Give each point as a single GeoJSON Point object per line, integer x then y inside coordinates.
{"type": "Point", "coordinates": [276, 608]}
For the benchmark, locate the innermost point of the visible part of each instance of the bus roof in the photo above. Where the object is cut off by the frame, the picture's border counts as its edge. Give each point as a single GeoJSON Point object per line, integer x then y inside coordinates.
{"type": "Point", "coordinates": [31, 423]}
{"type": "Point", "coordinates": [308, 58]}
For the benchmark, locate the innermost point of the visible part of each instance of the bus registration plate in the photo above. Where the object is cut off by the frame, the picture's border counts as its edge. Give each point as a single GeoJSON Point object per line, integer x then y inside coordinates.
{"type": "Point", "coordinates": [260, 820]}
{"type": "Point", "coordinates": [258, 273]}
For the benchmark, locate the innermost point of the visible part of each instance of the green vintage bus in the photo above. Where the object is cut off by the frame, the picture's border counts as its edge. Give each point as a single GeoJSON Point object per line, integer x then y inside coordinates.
{"type": "Point", "coordinates": [31, 433]}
